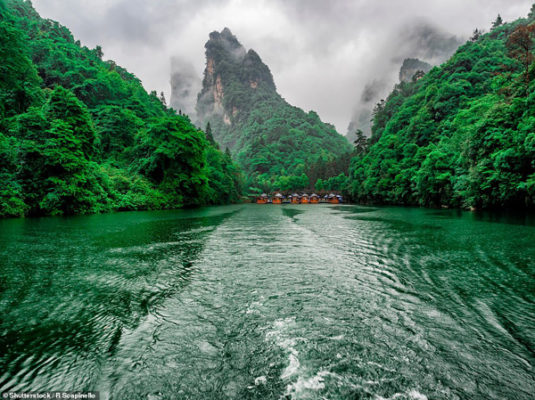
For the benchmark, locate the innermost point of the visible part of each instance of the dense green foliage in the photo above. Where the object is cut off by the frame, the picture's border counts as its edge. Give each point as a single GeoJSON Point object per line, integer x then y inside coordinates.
{"type": "Point", "coordinates": [81, 135]}
{"type": "Point", "coordinates": [463, 135]}
{"type": "Point", "coordinates": [275, 143]}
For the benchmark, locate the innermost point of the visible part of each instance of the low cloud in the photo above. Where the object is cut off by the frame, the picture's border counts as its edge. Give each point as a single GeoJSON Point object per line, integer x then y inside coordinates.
{"type": "Point", "coordinates": [417, 39]}
{"type": "Point", "coordinates": [185, 85]}
{"type": "Point", "coordinates": [323, 54]}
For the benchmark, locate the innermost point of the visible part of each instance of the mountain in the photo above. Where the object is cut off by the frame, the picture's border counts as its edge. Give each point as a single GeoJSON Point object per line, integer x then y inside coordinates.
{"type": "Point", "coordinates": [271, 139]}
{"type": "Point", "coordinates": [410, 67]}
{"type": "Point", "coordinates": [361, 120]}
{"type": "Point", "coordinates": [411, 43]}
{"type": "Point", "coordinates": [79, 134]}
{"type": "Point", "coordinates": [461, 136]}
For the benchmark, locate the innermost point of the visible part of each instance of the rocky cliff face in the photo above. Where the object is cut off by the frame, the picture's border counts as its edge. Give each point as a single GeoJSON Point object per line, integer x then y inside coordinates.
{"type": "Point", "coordinates": [231, 77]}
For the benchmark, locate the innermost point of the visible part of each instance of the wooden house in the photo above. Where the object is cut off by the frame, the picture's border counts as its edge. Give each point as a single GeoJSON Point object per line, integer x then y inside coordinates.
{"type": "Point", "coordinates": [333, 199]}
{"type": "Point", "coordinates": [277, 199]}
{"type": "Point", "coordinates": [314, 198]}
{"type": "Point", "coordinates": [305, 199]}
{"type": "Point", "coordinates": [262, 199]}
{"type": "Point", "coordinates": [295, 199]}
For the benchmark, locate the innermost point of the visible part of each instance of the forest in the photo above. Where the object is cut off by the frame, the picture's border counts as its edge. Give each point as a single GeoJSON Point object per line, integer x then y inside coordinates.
{"type": "Point", "coordinates": [79, 134]}
{"type": "Point", "coordinates": [461, 136]}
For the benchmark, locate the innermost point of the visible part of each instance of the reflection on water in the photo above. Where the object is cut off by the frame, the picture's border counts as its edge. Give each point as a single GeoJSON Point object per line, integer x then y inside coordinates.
{"type": "Point", "coordinates": [260, 302]}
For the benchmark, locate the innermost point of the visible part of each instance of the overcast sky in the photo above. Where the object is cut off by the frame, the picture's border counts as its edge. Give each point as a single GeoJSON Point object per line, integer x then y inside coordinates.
{"type": "Point", "coordinates": [321, 52]}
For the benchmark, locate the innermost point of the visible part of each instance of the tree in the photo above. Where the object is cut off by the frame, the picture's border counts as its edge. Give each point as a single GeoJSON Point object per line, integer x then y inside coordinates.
{"type": "Point", "coordinates": [54, 171]}
{"type": "Point", "coordinates": [171, 154]}
{"type": "Point", "coordinates": [162, 99]}
{"type": "Point", "coordinates": [497, 22]}
{"type": "Point", "coordinates": [64, 105]}
{"type": "Point", "coordinates": [11, 193]}
{"type": "Point", "coordinates": [98, 52]}
{"type": "Point", "coordinates": [19, 82]}
{"type": "Point", "coordinates": [531, 14]}
{"type": "Point", "coordinates": [519, 44]}
{"type": "Point", "coordinates": [319, 185]}
{"type": "Point", "coordinates": [476, 35]}
{"type": "Point", "coordinates": [209, 135]}
{"type": "Point", "coordinates": [361, 142]}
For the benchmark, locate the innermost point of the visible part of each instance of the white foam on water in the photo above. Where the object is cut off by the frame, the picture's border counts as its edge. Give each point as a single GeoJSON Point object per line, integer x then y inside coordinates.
{"type": "Point", "coordinates": [414, 394]}
{"type": "Point", "coordinates": [293, 366]}
{"type": "Point", "coordinates": [411, 394]}
{"type": "Point", "coordinates": [261, 380]}
{"type": "Point", "coordinates": [301, 380]}
{"type": "Point", "coordinates": [339, 337]}
{"type": "Point", "coordinates": [303, 385]}
{"type": "Point", "coordinates": [282, 338]}
{"type": "Point", "coordinates": [254, 306]}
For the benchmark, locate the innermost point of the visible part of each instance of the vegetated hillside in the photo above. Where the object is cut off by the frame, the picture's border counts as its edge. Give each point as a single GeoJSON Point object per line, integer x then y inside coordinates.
{"type": "Point", "coordinates": [463, 135]}
{"type": "Point", "coordinates": [275, 143]}
{"type": "Point", "coordinates": [81, 135]}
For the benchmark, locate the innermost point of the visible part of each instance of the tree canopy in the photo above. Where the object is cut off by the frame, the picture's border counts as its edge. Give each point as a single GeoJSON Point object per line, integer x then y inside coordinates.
{"type": "Point", "coordinates": [79, 134]}
{"type": "Point", "coordinates": [463, 135]}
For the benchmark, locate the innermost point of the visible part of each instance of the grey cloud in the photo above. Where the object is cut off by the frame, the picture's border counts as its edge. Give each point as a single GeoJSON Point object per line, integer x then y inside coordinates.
{"type": "Point", "coordinates": [185, 84]}
{"type": "Point", "coordinates": [427, 42]}
{"type": "Point", "coordinates": [323, 54]}
{"type": "Point", "coordinates": [417, 39]}
{"type": "Point", "coordinates": [372, 90]}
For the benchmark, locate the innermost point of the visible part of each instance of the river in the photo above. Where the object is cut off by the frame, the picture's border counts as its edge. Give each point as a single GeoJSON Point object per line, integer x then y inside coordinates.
{"type": "Point", "coordinates": [270, 302]}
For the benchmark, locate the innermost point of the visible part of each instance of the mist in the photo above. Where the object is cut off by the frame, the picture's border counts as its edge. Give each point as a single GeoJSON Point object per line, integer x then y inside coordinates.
{"type": "Point", "coordinates": [418, 39]}
{"type": "Point", "coordinates": [323, 55]}
{"type": "Point", "coordinates": [185, 85]}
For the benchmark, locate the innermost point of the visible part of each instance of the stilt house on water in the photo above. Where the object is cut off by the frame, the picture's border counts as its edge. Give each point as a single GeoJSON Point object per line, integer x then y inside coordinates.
{"type": "Point", "coordinates": [335, 198]}
{"type": "Point", "coordinates": [262, 199]}
{"type": "Point", "coordinates": [277, 199]}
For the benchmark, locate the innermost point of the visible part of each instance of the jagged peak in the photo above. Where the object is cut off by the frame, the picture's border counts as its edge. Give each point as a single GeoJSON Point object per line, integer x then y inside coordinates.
{"type": "Point", "coordinates": [253, 56]}
{"type": "Point", "coordinates": [227, 33]}
{"type": "Point", "coordinates": [227, 41]}
{"type": "Point", "coordinates": [230, 66]}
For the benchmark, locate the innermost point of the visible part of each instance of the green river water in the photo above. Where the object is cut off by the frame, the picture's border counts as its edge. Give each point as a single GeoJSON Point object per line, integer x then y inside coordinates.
{"type": "Point", "coordinates": [270, 302]}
